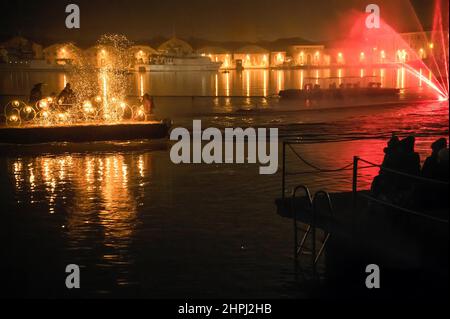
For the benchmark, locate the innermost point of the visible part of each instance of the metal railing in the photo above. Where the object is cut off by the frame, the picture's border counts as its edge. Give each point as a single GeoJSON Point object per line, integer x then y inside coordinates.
{"type": "Point", "coordinates": [287, 144]}
{"type": "Point", "coordinates": [356, 168]}
{"type": "Point", "coordinates": [370, 198]}
{"type": "Point", "coordinates": [299, 247]}
{"type": "Point", "coordinates": [311, 207]}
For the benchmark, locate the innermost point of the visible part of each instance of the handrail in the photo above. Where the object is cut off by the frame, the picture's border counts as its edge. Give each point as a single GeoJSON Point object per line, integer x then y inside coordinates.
{"type": "Point", "coordinates": [423, 179]}
{"type": "Point", "coordinates": [327, 237]}
{"type": "Point", "coordinates": [356, 159]}
{"type": "Point", "coordinates": [325, 171]}
{"type": "Point", "coordinates": [288, 142]}
{"type": "Point", "coordinates": [407, 210]}
{"type": "Point", "coordinates": [298, 248]}
{"type": "Point", "coordinates": [311, 228]}
{"type": "Point", "coordinates": [316, 167]}
{"type": "Point", "coordinates": [354, 166]}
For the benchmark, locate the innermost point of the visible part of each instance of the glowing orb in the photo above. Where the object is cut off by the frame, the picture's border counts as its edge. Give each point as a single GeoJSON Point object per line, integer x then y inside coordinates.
{"type": "Point", "coordinates": [87, 104]}
{"type": "Point", "coordinates": [43, 104]}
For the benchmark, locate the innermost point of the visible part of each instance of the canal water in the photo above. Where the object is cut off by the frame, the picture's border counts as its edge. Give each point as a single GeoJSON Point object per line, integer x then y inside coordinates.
{"type": "Point", "coordinates": [140, 226]}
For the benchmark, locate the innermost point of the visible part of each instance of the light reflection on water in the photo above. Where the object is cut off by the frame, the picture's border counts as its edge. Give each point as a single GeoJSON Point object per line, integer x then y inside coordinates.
{"type": "Point", "coordinates": [133, 220]}
{"type": "Point", "coordinates": [245, 83]}
{"type": "Point", "coordinates": [141, 226]}
{"type": "Point", "coordinates": [94, 194]}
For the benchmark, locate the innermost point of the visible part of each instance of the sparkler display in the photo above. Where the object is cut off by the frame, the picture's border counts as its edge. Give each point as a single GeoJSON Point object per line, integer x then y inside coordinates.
{"type": "Point", "coordinates": [99, 93]}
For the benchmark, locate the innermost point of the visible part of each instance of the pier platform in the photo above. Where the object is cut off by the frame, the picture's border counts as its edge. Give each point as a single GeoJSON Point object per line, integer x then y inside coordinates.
{"type": "Point", "coordinates": [408, 249]}
{"type": "Point", "coordinates": [84, 132]}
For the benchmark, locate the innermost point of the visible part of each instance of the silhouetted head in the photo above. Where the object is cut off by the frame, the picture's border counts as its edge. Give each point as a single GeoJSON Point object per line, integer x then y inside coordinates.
{"type": "Point", "coordinates": [68, 86]}
{"type": "Point", "coordinates": [439, 145]}
{"type": "Point", "coordinates": [393, 141]}
{"type": "Point", "coordinates": [38, 86]}
{"type": "Point", "coordinates": [407, 144]}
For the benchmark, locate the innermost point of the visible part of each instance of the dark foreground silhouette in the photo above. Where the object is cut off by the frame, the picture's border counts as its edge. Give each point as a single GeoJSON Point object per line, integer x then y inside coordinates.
{"type": "Point", "coordinates": [408, 191]}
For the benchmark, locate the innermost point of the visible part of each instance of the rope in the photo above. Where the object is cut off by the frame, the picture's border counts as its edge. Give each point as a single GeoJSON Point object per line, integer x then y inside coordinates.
{"type": "Point", "coordinates": [324, 171]}
{"type": "Point", "coordinates": [423, 179]}
{"type": "Point", "coordinates": [403, 209]}
{"type": "Point", "coordinates": [371, 165]}
{"type": "Point", "coordinates": [316, 167]}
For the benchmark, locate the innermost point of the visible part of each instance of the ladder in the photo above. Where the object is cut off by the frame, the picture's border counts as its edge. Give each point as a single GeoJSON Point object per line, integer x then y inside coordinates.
{"type": "Point", "coordinates": [312, 210]}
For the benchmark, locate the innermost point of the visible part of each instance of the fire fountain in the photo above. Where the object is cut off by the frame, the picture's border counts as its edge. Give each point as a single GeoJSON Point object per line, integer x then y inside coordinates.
{"type": "Point", "coordinates": [97, 111]}
{"type": "Point", "coordinates": [364, 47]}
{"type": "Point", "coordinates": [428, 64]}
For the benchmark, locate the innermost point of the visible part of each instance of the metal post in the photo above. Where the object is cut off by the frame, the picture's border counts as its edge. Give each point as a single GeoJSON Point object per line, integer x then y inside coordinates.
{"type": "Point", "coordinates": [295, 232]}
{"type": "Point", "coordinates": [355, 177]}
{"type": "Point", "coordinates": [283, 179]}
{"type": "Point", "coordinates": [313, 252]}
{"type": "Point", "coordinates": [354, 190]}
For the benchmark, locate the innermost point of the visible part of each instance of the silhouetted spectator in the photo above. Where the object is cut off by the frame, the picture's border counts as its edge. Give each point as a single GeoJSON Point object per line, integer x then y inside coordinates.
{"type": "Point", "coordinates": [409, 160]}
{"type": "Point", "coordinates": [443, 163]}
{"type": "Point", "coordinates": [385, 182]}
{"type": "Point", "coordinates": [429, 194]}
{"type": "Point", "coordinates": [67, 95]}
{"type": "Point", "coordinates": [36, 93]}
{"type": "Point", "coordinates": [431, 167]}
{"type": "Point", "coordinates": [148, 103]}
{"type": "Point", "coordinates": [409, 163]}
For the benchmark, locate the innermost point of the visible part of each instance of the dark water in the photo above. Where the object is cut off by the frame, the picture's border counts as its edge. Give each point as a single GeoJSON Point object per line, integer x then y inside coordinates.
{"type": "Point", "coordinates": [139, 225]}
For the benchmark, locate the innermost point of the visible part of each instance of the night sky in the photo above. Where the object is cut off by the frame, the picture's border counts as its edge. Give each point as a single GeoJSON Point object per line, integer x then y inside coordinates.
{"type": "Point", "coordinates": [225, 20]}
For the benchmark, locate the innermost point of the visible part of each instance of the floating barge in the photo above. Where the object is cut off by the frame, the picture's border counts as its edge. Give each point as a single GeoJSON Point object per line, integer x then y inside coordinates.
{"type": "Point", "coordinates": [339, 93]}
{"type": "Point", "coordinates": [84, 132]}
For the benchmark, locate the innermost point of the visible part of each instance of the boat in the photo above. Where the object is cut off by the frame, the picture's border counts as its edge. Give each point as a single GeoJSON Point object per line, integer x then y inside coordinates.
{"type": "Point", "coordinates": [179, 63]}
{"type": "Point", "coordinates": [339, 93]}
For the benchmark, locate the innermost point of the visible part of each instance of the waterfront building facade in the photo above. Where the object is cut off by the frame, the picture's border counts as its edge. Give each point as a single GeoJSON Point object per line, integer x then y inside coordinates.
{"type": "Point", "coordinates": [252, 57]}
{"type": "Point", "coordinates": [65, 54]}
{"type": "Point", "coordinates": [384, 49]}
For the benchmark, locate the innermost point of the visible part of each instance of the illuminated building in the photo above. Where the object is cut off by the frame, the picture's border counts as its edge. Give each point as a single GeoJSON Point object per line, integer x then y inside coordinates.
{"type": "Point", "coordinates": [141, 54]}
{"type": "Point", "coordinates": [62, 54]}
{"type": "Point", "coordinates": [98, 55]}
{"type": "Point", "coordinates": [20, 49]}
{"type": "Point", "coordinates": [277, 58]}
{"type": "Point", "coordinates": [253, 57]}
{"type": "Point", "coordinates": [308, 55]}
{"type": "Point", "coordinates": [176, 46]}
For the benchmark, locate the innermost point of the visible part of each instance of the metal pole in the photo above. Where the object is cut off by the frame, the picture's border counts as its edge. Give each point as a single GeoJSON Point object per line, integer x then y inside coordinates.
{"type": "Point", "coordinates": [313, 253]}
{"type": "Point", "coordinates": [283, 179]}
{"type": "Point", "coordinates": [354, 190]}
